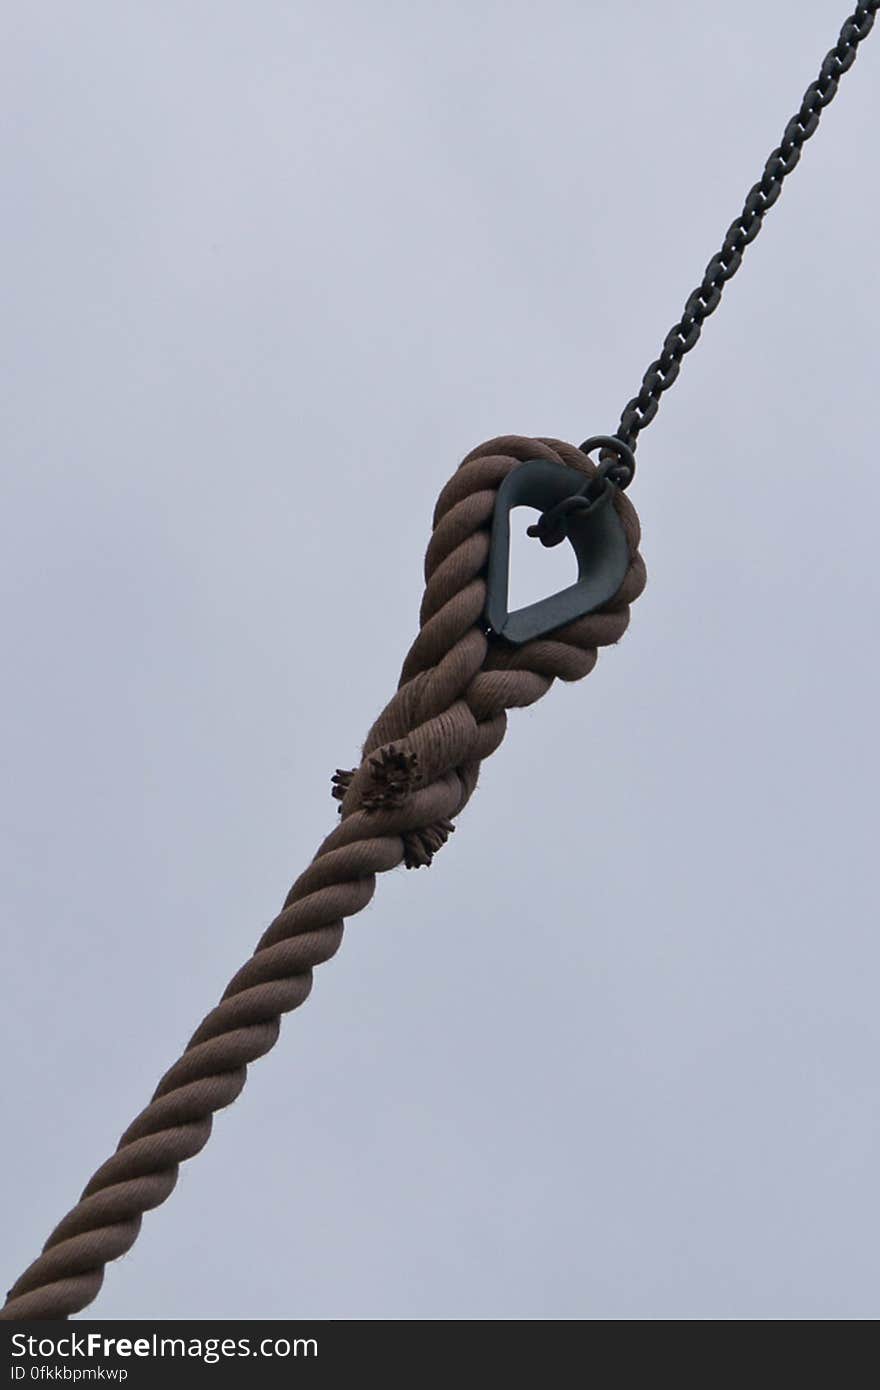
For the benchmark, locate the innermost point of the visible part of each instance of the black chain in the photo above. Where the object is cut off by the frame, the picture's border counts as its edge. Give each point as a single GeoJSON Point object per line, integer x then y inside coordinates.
{"type": "Point", "coordinates": [705, 299]}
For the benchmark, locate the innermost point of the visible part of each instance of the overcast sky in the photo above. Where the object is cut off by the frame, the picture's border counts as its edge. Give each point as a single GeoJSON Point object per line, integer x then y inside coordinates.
{"type": "Point", "coordinates": [269, 271]}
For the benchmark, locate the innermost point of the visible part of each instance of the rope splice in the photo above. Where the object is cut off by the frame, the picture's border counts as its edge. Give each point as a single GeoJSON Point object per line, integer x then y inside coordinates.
{"type": "Point", "coordinates": [420, 765]}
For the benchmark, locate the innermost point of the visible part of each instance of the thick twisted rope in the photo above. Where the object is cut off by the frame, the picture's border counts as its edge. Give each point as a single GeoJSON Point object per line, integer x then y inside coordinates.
{"type": "Point", "coordinates": [420, 766]}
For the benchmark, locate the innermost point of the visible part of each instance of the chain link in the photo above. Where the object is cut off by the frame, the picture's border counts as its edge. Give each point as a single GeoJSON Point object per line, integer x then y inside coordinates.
{"type": "Point", "coordinates": [641, 410]}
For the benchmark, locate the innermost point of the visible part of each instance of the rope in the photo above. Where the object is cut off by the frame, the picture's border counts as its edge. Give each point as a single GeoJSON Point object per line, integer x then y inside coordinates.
{"type": "Point", "coordinates": [420, 765]}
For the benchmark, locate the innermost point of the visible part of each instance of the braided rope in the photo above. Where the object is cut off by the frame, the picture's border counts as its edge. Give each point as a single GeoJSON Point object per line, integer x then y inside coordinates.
{"type": "Point", "coordinates": [421, 760]}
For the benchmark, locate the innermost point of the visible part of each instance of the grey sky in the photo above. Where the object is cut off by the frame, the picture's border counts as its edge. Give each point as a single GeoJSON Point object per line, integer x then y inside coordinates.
{"type": "Point", "coordinates": [270, 270]}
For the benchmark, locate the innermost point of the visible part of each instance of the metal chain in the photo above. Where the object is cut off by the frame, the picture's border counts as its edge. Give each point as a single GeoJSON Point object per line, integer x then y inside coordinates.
{"type": "Point", "coordinates": [705, 299]}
